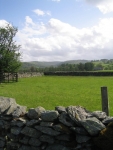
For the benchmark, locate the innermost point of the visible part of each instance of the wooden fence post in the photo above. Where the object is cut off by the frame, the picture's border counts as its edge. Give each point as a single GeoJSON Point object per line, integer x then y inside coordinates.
{"type": "Point", "coordinates": [16, 77]}
{"type": "Point", "coordinates": [105, 102]}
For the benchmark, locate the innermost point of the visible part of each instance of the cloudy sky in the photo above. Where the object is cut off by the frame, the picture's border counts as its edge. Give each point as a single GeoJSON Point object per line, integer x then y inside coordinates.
{"type": "Point", "coordinates": [59, 30]}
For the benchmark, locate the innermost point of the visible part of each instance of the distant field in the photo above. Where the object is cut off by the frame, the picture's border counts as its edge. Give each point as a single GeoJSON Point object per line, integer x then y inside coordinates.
{"type": "Point", "coordinates": [49, 92]}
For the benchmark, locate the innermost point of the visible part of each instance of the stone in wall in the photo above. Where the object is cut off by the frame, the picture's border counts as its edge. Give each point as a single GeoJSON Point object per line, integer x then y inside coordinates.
{"type": "Point", "coordinates": [7, 105]}
{"type": "Point", "coordinates": [49, 115]}
{"type": "Point", "coordinates": [35, 113]}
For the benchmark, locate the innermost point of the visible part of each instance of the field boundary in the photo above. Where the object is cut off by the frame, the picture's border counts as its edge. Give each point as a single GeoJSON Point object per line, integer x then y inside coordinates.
{"type": "Point", "coordinates": [78, 73]}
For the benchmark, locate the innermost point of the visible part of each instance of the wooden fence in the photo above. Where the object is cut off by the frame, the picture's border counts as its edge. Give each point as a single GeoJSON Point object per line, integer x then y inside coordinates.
{"type": "Point", "coordinates": [8, 77]}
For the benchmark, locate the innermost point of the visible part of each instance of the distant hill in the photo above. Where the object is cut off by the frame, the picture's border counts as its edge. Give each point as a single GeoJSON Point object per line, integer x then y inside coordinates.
{"type": "Point", "coordinates": [75, 61]}
{"type": "Point", "coordinates": [43, 64]}
{"type": "Point", "coordinates": [39, 64]}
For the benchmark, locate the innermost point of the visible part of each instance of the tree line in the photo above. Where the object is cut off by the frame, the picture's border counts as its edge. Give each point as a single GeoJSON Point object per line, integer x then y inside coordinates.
{"type": "Point", "coordinates": [89, 66]}
{"type": "Point", "coordinates": [94, 65]}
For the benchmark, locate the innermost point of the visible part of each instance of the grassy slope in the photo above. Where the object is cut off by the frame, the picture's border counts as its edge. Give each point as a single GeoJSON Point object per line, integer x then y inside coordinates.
{"type": "Point", "coordinates": [54, 91]}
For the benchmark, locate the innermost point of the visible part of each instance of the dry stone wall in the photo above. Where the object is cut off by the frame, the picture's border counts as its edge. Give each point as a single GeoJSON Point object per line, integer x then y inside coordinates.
{"type": "Point", "coordinates": [30, 74]}
{"type": "Point", "coordinates": [65, 128]}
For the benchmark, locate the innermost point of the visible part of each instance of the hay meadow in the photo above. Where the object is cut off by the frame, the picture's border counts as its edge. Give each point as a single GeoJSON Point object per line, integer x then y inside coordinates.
{"type": "Point", "coordinates": [51, 91]}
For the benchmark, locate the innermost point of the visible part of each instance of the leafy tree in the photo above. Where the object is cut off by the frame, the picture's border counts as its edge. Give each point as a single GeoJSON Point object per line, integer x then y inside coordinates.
{"type": "Point", "coordinates": [81, 67]}
{"type": "Point", "coordinates": [9, 50]}
{"type": "Point", "coordinates": [33, 69]}
{"type": "Point", "coordinates": [89, 66]}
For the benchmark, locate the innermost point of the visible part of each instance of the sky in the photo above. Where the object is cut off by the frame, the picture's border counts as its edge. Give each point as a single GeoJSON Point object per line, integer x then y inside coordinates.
{"type": "Point", "coordinates": [61, 30]}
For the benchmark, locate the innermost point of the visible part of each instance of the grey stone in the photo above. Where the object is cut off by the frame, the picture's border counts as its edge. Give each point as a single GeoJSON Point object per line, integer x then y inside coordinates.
{"type": "Point", "coordinates": [31, 132]}
{"type": "Point", "coordinates": [13, 137]}
{"type": "Point", "coordinates": [92, 125]}
{"type": "Point", "coordinates": [14, 145]}
{"type": "Point", "coordinates": [47, 138]}
{"type": "Point", "coordinates": [49, 115]}
{"type": "Point", "coordinates": [99, 115]}
{"type": "Point", "coordinates": [57, 147]}
{"type": "Point", "coordinates": [82, 138]}
{"type": "Point", "coordinates": [90, 146]}
{"type": "Point", "coordinates": [35, 113]}
{"type": "Point", "coordinates": [35, 148]}
{"type": "Point", "coordinates": [43, 146]}
{"type": "Point", "coordinates": [77, 113]}
{"type": "Point", "coordinates": [57, 127]}
{"type": "Point", "coordinates": [16, 130]}
{"type": "Point", "coordinates": [7, 117]}
{"type": "Point", "coordinates": [1, 124]}
{"type": "Point", "coordinates": [34, 142]}
{"type": "Point", "coordinates": [40, 110]}
{"type": "Point", "coordinates": [5, 105]}
{"type": "Point", "coordinates": [46, 124]}
{"type": "Point", "coordinates": [33, 122]}
{"type": "Point", "coordinates": [62, 128]}
{"type": "Point", "coordinates": [32, 114]}
{"type": "Point", "coordinates": [25, 140]}
{"type": "Point", "coordinates": [20, 122]}
{"type": "Point", "coordinates": [64, 137]}
{"type": "Point", "coordinates": [66, 120]}
{"type": "Point", "coordinates": [107, 120]}
{"type": "Point", "coordinates": [47, 130]}
{"type": "Point", "coordinates": [6, 125]}
{"type": "Point", "coordinates": [2, 143]}
{"type": "Point", "coordinates": [24, 147]}
{"type": "Point", "coordinates": [19, 111]}
{"type": "Point", "coordinates": [78, 147]}
{"type": "Point", "coordinates": [2, 138]}
{"type": "Point", "coordinates": [12, 107]}
{"type": "Point", "coordinates": [79, 130]}
{"type": "Point", "coordinates": [60, 109]}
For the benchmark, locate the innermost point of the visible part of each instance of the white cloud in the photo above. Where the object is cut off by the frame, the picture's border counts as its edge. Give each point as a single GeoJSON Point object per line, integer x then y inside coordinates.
{"type": "Point", "coordinates": [105, 6]}
{"type": "Point", "coordinates": [42, 13]}
{"type": "Point", "coordinates": [29, 20]}
{"type": "Point", "coordinates": [3, 23]}
{"type": "Point", "coordinates": [48, 13]}
{"type": "Point", "coordinates": [31, 30]}
{"type": "Point", "coordinates": [39, 12]}
{"type": "Point", "coordinates": [57, 40]}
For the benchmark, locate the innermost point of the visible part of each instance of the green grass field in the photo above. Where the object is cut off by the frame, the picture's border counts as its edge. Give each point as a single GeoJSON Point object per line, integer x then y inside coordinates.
{"type": "Point", "coordinates": [49, 92]}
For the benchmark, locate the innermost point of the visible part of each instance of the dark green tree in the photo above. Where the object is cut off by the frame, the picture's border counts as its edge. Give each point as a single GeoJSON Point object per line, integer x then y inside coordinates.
{"type": "Point", "coordinates": [81, 67]}
{"type": "Point", "coordinates": [9, 50]}
{"type": "Point", "coordinates": [89, 66]}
